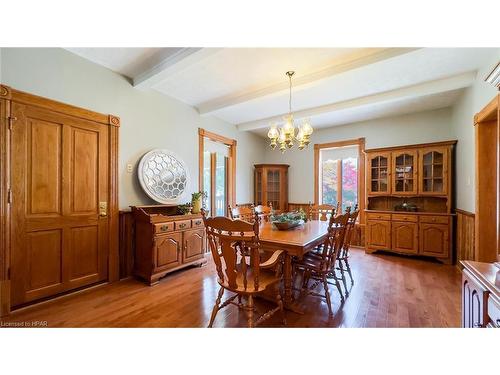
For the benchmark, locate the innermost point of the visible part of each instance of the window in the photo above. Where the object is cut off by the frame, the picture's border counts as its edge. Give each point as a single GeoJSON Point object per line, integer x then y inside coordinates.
{"type": "Point", "coordinates": [339, 168]}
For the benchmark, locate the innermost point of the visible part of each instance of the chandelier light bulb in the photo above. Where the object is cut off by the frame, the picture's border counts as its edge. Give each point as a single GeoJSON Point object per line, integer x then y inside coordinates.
{"type": "Point", "coordinates": [307, 128]}
{"type": "Point", "coordinates": [273, 132]}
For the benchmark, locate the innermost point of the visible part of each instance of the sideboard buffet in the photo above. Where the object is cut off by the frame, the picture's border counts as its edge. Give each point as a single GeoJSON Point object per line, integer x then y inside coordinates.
{"type": "Point", "coordinates": [166, 241]}
{"type": "Point", "coordinates": [409, 200]}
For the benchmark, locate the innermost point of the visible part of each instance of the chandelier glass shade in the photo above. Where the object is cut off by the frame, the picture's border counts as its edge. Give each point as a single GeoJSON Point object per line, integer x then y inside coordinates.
{"type": "Point", "coordinates": [286, 135]}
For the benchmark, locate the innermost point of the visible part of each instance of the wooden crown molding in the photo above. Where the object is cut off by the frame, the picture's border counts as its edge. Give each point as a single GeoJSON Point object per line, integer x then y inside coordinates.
{"type": "Point", "coordinates": [5, 92]}
{"type": "Point", "coordinates": [9, 93]}
{"type": "Point", "coordinates": [489, 112]}
{"type": "Point", "coordinates": [114, 120]}
{"type": "Point", "coordinates": [348, 142]}
{"type": "Point", "coordinates": [419, 145]}
{"type": "Point", "coordinates": [216, 137]}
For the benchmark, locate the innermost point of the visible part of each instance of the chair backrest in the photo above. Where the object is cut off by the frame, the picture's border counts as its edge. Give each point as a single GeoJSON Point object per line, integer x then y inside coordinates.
{"type": "Point", "coordinates": [264, 212]}
{"type": "Point", "coordinates": [351, 223]}
{"type": "Point", "coordinates": [233, 243]}
{"type": "Point", "coordinates": [320, 211]}
{"type": "Point", "coordinates": [334, 242]}
{"type": "Point", "coordinates": [243, 213]}
{"type": "Point", "coordinates": [338, 208]}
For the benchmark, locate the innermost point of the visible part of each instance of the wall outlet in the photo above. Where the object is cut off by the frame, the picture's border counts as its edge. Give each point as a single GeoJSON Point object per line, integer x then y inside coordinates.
{"type": "Point", "coordinates": [130, 168]}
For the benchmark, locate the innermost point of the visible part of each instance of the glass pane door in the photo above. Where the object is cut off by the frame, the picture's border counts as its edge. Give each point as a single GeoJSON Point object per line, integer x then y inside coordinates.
{"type": "Point", "coordinates": [207, 181]}
{"type": "Point", "coordinates": [273, 188]}
{"type": "Point", "coordinates": [379, 174]}
{"type": "Point", "coordinates": [404, 173]}
{"type": "Point", "coordinates": [220, 184]}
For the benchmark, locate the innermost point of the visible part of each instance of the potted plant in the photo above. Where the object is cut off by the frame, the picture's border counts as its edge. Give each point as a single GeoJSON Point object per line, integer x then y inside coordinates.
{"type": "Point", "coordinates": [196, 201]}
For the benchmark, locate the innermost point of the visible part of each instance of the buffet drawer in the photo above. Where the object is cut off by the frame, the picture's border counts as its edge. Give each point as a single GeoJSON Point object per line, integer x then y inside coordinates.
{"type": "Point", "coordinates": [404, 217]}
{"type": "Point", "coordinates": [377, 216]}
{"type": "Point", "coordinates": [434, 219]}
{"type": "Point", "coordinates": [163, 227]}
{"type": "Point", "coordinates": [197, 223]}
{"type": "Point", "coordinates": [183, 224]}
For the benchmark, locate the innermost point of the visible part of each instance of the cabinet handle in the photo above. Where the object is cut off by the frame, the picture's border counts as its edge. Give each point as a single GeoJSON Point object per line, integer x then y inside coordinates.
{"type": "Point", "coordinates": [478, 325]}
{"type": "Point", "coordinates": [182, 225]}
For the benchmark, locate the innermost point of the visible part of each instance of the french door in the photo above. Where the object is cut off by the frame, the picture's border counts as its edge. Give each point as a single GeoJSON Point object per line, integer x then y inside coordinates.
{"type": "Point", "coordinates": [217, 171]}
{"type": "Point", "coordinates": [215, 178]}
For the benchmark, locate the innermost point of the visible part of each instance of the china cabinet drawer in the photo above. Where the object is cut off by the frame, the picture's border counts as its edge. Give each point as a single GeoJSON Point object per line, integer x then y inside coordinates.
{"type": "Point", "coordinates": [403, 217]}
{"type": "Point", "coordinates": [184, 224]}
{"type": "Point", "coordinates": [434, 219]}
{"type": "Point", "coordinates": [378, 216]}
{"type": "Point", "coordinates": [197, 223]}
{"type": "Point", "coordinates": [494, 312]}
{"type": "Point", "coordinates": [163, 227]}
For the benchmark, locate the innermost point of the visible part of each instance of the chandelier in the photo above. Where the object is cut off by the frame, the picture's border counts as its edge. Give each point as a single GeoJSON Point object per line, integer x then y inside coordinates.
{"type": "Point", "coordinates": [288, 134]}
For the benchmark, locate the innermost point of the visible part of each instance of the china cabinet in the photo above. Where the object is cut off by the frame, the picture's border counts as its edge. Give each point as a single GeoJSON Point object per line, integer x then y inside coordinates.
{"type": "Point", "coordinates": [409, 201]}
{"type": "Point", "coordinates": [271, 185]}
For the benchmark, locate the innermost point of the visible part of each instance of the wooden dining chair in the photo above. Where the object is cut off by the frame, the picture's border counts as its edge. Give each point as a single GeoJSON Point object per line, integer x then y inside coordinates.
{"type": "Point", "coordinates": [343, 256]}
{"type": "Point", "coordinates": [242, 212]}
{"type": "Point", "coordinates": [318, 266]}
{"type": "Point", "coordinates": [235, 246]}
{"type": "Point", "coordinates": [320, 211]}
{"type": "Point", "coordinates": [264, 212]}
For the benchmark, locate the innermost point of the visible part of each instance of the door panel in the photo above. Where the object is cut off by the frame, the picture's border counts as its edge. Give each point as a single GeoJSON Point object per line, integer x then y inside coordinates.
{"type": "Point", "coordinates": [44, 259]}
{"type": "Point", "coordinates": [84, 255]}
{"type": "Point", "coordinates": [193, 245]}
{"type": "Point", "coordinates": [167, 251]}
{"type": "Point", "coordinates": [59, 242]}
{"type": "Point", "coordinates": [44, 186]}
{"type": "Point", "coordinates": [405, 237]}
{"type": "Point", "coordinates": [434, 239]}
{"type": "Point", "coordinates": [379, 234]}
{"type": "Point", "coordinates": [85, 171]}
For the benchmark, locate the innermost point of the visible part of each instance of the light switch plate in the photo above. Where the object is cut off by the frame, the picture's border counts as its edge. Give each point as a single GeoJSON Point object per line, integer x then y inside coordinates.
{"type": "Point", "coordinates": [129, 168]}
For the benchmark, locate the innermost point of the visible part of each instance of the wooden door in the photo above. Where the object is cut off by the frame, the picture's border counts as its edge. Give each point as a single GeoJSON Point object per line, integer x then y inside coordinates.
{"type": "Point", "coordinates": [59, 177]}
{"type": "Point", "coordinates": [434, 239]}
{"type": "Point", "coordinates": [167, 251]}
{"type": "Point", "coordinates": [404, 172]}
{"type": "Point", "coordinates": [433, 171]}
{"type": "Point", "coordinates": [194, 245]}
{"type": "Point", "coordinates": [378, 233]}
{"type": "Point", "coordinates": [378, 173]}
{"type": "Point", "coordinates": [405, 237]}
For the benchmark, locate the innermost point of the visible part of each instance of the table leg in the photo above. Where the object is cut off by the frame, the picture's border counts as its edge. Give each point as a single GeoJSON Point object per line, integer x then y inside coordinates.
{"type": "Point", "coordinates": [287, 281]}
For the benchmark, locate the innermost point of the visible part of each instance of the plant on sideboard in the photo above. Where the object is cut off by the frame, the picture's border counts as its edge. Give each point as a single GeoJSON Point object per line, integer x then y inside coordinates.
{"type": "Point", "coordinates": [196, 201]}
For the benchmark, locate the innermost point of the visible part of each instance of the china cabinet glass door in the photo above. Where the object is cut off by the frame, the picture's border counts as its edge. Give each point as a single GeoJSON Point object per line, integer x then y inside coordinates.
{"type": "Point", "coordinates": [379, 169]}
{"type": "Point", "coordinates": [433, 171]}
{"type": "Point", "coordinates": [273, 188]}
{"type": "Point", "coordinates": [404, 173]}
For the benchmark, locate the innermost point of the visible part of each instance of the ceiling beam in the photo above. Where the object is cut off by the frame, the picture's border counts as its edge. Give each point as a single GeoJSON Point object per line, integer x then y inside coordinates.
{"type": "Point", "coordinates": [352, 61]}
{"type": "Point", "coordinates": [171, 65]}
{"type": "Point", "coordinates": [422, 89]}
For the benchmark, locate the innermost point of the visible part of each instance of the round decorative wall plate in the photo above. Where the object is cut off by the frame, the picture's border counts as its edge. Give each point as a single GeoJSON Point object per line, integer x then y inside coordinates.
{"type": "Point", "coordinates": [163, 176]}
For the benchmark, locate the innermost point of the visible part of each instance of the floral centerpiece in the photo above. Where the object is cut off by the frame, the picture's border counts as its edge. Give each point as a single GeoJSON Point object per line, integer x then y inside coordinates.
{"type": "Point", "coordinates": [289, 220]}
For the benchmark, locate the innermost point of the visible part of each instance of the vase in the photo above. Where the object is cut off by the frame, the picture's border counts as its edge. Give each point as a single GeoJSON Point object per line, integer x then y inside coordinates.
{"type": "Point", "coordinates": [196, 206]}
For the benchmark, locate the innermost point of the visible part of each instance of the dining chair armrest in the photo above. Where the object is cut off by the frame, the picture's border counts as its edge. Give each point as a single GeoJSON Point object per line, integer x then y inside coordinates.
{"type": "Point", "coordinates": [273, 260]}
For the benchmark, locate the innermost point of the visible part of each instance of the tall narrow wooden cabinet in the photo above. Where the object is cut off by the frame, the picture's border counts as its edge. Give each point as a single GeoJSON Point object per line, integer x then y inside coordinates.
{"type": "Point", "coordinates": [409, 200]}
{"type": "Point", "coordinates": [60, 173]}
{"type": "Point", "coordinates": [271, 185]}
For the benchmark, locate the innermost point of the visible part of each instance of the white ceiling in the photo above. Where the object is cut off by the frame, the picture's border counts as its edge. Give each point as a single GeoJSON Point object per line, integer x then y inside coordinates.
{"type": "Point", "coordinates": [247, 87]}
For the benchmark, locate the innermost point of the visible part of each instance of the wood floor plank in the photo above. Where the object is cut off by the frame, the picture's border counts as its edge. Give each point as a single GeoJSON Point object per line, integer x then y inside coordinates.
{"type": "Point", "coordinates": [389, 291]}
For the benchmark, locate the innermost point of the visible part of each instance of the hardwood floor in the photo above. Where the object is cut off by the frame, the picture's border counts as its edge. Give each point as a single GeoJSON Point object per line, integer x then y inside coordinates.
{"type": "Point", "coordinates": [389, 291]}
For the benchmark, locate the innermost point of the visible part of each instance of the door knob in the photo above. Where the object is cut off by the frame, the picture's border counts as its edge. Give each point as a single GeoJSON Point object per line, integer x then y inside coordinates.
{"type": "Point", "coordinates": [103, 209]}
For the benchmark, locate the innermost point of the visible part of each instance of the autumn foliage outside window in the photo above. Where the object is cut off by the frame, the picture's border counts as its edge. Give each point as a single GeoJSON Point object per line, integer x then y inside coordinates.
{"type": "Point", "coordinates": [339, 177]}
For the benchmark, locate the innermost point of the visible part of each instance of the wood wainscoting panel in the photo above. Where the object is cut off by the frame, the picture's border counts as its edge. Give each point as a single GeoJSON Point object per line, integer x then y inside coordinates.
{"type": "Point", "coordinates": [465, 235]}
{"type": "Point", "coordinates": [126, 244]}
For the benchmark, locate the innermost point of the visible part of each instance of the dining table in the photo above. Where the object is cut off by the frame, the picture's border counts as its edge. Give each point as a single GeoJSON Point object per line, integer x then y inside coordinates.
{"type": "Point", "coordinates": [295, 242]}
